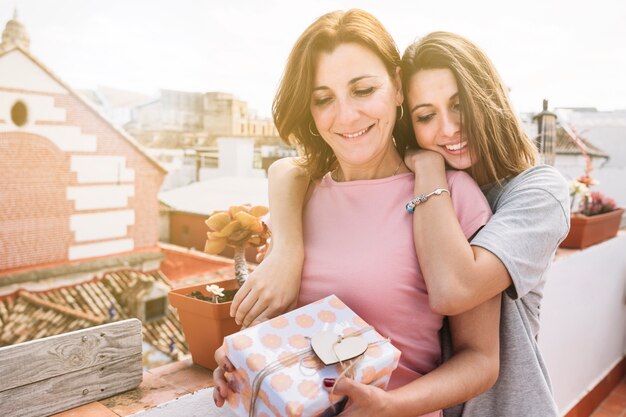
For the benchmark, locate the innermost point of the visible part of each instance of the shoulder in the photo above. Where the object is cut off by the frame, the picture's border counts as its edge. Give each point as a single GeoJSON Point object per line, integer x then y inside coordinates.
{"type": "Point", "coordinates": [454, 175]}
{"type": "Point", "coordinates": [470, 205]}
{"type": "Point", "coordinates": [542, 179]}
{"type": "Point", "coordinates": [540, 192]}
{"type": "Point", "coordinates": [463, 187]}
{"type": "Point", "coordinates": [460, 181]}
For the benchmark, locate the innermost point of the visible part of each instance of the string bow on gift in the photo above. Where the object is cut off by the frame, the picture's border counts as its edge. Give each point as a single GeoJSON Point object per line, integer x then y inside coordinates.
{"type": "Point", "coordinates": [330, 348]}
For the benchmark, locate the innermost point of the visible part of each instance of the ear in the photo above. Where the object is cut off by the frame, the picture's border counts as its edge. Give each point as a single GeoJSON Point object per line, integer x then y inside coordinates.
{"type": "Point", "coordinates": [398, 83]}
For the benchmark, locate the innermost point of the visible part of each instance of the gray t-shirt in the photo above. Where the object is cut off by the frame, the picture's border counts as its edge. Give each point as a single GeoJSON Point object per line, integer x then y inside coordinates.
{"type": "Point", "coordinates": [531, 218]}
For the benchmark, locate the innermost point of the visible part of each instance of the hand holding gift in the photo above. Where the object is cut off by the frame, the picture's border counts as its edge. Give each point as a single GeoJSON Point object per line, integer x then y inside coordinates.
{"type": "Point", "coordinates": [280, 365]}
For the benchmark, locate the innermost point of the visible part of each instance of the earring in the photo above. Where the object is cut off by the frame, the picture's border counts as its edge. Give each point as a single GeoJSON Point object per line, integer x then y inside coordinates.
{"type": "Point", "coordinates": [311, 130]}
{"type": "Point", "coordinates": [401, 113]}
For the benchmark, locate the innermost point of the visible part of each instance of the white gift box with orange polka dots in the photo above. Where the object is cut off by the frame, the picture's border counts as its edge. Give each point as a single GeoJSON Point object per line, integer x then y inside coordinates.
{"type": "Point", "coordinates": [294, 387]}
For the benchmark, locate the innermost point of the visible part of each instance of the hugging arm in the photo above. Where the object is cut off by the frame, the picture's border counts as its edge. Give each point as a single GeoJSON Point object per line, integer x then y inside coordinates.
{"type": "Point", "coordinates": [273, 286]}
{"type": "Point", "coordinates": [511, 252]}
{"type": "Point", "coordinates": [470, 275]}
{"type": "Point", "coordinates": [472, 370]}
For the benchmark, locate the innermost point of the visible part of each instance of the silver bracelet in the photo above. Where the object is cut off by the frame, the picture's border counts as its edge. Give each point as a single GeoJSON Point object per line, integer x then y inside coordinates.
{"type": "Point", "coordinates": [410, 206]}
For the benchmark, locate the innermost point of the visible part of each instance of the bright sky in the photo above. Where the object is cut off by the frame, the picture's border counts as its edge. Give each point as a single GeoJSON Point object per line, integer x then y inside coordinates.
{"type": "Point", "coordinates": [572, 52]}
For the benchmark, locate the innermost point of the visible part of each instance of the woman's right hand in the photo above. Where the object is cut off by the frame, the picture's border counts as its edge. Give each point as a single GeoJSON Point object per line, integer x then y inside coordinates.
{"type": "Point", "coordinates": [272, 289]}
{"type": "Point", "coordinates": [222, 387]}
{"type": "Point", "coordinates": [424, 160]}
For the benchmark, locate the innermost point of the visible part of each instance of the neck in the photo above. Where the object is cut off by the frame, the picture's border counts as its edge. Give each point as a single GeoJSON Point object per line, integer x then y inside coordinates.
{"type": "Point", "coordinates": [386, 165]}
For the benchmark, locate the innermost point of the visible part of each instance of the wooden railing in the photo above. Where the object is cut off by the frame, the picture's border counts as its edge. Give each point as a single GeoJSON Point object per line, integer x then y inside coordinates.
{"type": "Point", "coordinates": [46, 376]}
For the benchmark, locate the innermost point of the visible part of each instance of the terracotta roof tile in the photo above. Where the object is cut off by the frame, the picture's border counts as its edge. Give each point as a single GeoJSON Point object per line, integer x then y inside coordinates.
{"type": "Point", "coordinates": [28, 315]}
{"type": "Point", "coordinates": [183, 264]}
{"type": "Point", "coordinates": [565, 145]}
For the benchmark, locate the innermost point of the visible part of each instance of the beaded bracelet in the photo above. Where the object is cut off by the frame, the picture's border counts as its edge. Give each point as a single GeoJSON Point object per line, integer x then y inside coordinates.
{"type": "Point", "coordinates": [410, 206]}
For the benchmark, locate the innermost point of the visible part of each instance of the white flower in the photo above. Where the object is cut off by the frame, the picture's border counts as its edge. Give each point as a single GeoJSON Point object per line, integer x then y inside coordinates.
{"type": "Point", "coordinates": [215, 290]}
{"type": "Point", "coordinates": [577, 187]}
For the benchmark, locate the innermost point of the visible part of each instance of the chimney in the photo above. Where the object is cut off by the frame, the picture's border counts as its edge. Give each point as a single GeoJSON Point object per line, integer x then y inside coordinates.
{"type": "Point", "coordinates": [546, 135]}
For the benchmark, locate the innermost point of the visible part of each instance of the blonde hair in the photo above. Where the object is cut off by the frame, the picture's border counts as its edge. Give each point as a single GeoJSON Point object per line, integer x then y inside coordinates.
{"type": "Point", "coordinates": [291, 107]}
{"type": "Point", "coordinates": [497, 142]}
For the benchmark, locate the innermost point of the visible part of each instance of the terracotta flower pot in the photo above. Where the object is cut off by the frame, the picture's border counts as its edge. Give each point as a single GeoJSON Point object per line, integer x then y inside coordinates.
{"type": "Point", "coordinates": [589, 230]}
{"type": "Point", "coordinates": [204, 323]}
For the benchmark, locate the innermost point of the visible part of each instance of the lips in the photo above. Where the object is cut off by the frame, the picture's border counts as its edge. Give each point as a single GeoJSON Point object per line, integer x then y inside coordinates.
{"type": "Point", "coordinates": [456, 147]}
{"type": "Point", "coordinates": [357, 134]}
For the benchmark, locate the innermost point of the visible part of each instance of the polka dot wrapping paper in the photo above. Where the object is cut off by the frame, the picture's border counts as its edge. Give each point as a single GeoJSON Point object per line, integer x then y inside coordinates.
{"type": "Point", "coordinates": [291, 380]}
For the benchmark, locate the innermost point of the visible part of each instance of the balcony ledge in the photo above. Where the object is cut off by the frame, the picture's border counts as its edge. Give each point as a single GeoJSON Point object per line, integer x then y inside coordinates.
{"type": "Point", "coordinates": [179, 388]}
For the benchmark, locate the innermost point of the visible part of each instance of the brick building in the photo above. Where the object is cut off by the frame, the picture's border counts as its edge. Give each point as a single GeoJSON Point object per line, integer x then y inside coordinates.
{"type": "Point", "coordinates": [79, 214]}
{"type": "Point", "coordinates": [74, 186]}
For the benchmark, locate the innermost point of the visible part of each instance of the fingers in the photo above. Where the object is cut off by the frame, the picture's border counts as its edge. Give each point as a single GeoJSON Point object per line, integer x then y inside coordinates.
{"type": "Point", "coordinates": [344, 387]}
{"type": "Point", "coordinates": [255, 312]}
{"type": "Point", "coordinates": [246, 307]}
{"type": "Point", "coordinates": [258, 320]}
{"type": "Point", "coordinates": [220, 391]}
{"type": "Point", "coordinates": [222, 360]}
{"type": "Point", "coordinates": [240, 296]}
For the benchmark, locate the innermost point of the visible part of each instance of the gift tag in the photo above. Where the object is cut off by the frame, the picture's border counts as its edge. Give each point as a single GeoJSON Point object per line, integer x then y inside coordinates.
{"type": "Point", "coordinates": [332, 349]}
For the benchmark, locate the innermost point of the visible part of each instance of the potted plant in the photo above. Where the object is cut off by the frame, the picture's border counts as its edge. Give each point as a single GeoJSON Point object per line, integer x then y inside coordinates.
{"type": "Point", "coordinates": [204, 310]}
{"type": "Point", "coordinates": [598, 218]}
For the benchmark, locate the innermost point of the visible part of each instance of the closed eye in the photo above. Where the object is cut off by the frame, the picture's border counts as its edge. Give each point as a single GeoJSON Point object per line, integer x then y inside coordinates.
{"type": "Point", "coordinates": [321, 101]}
{"type": "Point", "coordinates": [424, 118]}
{"type": "Point", "coordinates": [363, 92]}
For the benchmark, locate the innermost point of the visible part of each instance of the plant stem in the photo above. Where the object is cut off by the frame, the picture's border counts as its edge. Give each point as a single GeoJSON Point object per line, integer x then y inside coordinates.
{"type": "Point", "coordinates": [241, 267]}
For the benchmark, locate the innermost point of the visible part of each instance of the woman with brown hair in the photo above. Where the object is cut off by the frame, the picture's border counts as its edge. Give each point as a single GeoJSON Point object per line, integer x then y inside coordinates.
{"type": "Point", "coordinates": [338, 102]}
{"type": "Point", "coordinates": [460, 117]}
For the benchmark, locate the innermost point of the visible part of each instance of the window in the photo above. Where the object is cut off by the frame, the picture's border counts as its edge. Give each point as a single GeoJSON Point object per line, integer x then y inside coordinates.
{"type": "Point", "coordinates": [19, 114]}
{"type": "Point", "coordinates": [155, 309]}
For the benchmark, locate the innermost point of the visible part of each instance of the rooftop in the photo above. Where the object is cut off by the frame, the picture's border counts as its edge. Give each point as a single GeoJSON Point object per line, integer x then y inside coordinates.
{"type": "Point", "coordinates": [207, 196]}
{"type": "Point", "coordinates": [30, 311]}
{"type": "Point", "coordinates": [27, 315]}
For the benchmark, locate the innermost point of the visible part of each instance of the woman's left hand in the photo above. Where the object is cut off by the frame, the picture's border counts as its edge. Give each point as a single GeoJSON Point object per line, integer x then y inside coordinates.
{"type": "Point", "coordinates": [365, 400]}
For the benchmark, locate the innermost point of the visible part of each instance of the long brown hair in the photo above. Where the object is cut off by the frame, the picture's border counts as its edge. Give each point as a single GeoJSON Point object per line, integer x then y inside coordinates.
{"type": "Point", "coordinates": [291, 107]}
{"type": "Point", "coordinates": [497, 142]}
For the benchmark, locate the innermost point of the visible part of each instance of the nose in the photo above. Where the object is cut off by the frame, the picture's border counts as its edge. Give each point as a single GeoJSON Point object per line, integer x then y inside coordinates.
{"type": "Point", "coordinates": [347, 112]}
{"type": "Point", "coordinates": [450, 124]}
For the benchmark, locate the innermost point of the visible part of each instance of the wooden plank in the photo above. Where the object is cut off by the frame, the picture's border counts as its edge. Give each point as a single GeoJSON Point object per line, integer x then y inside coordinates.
{"type": "Point", "coordinates": [37, 360]}
{"type": "Point", "coordinates": [72, 389]}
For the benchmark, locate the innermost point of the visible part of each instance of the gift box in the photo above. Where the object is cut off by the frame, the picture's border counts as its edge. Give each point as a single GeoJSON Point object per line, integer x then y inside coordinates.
{"type": "Point", "coordinates": [281, 363]}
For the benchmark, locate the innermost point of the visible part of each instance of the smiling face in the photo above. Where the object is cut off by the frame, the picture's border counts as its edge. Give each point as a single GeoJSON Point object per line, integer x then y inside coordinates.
{"type": "Point", "coordinates": [353, 105]}
{"type": "Point", "coordinates": [435, 112]}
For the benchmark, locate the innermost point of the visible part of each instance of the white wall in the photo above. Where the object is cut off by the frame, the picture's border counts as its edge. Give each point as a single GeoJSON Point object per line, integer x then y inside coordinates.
{"type": "Point", "coordinates": [611, 139]}
{"type": "Point", "coordinates": [92, 197]}
{"type": "Point", "coordinates": [101, 225]}
{"type": "Point", "coordinates": [236, 156]}
{"type": "Point", "coordinates": [583, 318]}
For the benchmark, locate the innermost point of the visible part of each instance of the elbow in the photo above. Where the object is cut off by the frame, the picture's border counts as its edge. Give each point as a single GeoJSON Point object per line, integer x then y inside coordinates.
{"type": "Point", "coordinates": [492, 371]}
{"type": "Point", "coordinates": [439, 305]}
{"type": "Point", "coordinates": [485, 372]}
{"type": "Point", "coordinates": [488, 361]}
{"type": "Point", "coordinates": [448, 302]}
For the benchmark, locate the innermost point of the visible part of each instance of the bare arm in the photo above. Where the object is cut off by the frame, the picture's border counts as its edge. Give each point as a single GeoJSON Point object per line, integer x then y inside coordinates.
{"type": "Point", "coordinates": [472, 370]}
{"type": "Point", "coordinates": [470, 275]}
{"type": "Point", "coordinates": [273, 286]}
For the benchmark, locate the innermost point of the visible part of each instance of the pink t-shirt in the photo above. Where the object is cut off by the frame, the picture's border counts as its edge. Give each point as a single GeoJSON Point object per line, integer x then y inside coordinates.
{"type": "Point", "coordinates": [358, 240]}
